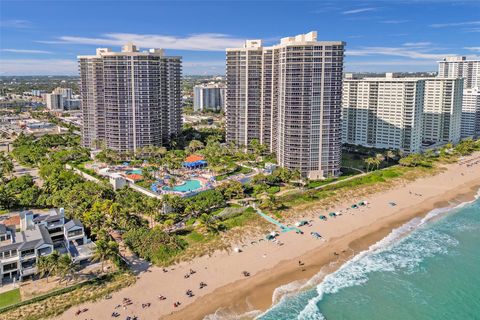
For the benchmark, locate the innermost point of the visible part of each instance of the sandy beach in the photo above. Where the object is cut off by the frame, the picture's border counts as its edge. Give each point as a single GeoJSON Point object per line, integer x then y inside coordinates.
{"type": "Point", "coordinates": [270, 265]}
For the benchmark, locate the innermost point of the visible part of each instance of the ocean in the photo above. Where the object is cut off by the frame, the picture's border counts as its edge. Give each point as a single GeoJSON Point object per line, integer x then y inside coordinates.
{"type": "Point", "coordinates": [428, 269]}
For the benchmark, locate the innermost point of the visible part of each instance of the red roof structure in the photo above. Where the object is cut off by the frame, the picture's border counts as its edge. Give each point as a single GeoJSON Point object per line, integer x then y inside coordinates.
{"type": "Point", "coordinates": [194, 158]}
{"type": "Point", "coordinates": [135, 177]}
{"type": "Point", "coordinates": [12, 221]}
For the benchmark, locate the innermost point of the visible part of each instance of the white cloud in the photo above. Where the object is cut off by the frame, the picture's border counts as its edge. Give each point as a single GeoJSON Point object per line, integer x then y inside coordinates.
{"type": "Point", "coordinates": [16, 23]}
{"type": "Point", "coordinates": [455, 24]}
{"type": "Point", "coordinates": [394, 21]}
{"type": "Point", "coordinates": [25, 51]}
{"type": "Point", "coordinates": [419, 53]}
{"type": "Point", "coordinates": [38, 67]}
{"type": "Point", "coordinates": [417, 44]}
{"type": "Point", "coordinates": [198, 42]}
{"type": "Point", "coordinates": [472, 48]}
{"type": "Point", "coordinates": [354, 11]}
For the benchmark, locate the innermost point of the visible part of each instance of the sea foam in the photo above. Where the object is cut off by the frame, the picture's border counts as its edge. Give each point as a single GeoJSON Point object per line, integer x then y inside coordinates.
{"type": "Point", "coordinates": [403, 249]}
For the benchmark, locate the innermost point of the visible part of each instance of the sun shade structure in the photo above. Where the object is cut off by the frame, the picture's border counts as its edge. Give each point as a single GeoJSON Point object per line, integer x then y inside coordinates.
{"type": "Point", "coordinates": [301, 223]}
{"type": "Point", "coordinates": [332, 214]}
{"type": "Point", "coordinates": [135, 177]}
{"type": "Point", "coordinates": [323, 217]}
{"type": "Point", "coordinates": [194, 161]}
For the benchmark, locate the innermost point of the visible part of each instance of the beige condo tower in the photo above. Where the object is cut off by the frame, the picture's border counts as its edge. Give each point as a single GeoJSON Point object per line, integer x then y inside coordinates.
{"type": "Point", "coordinates": [288, 96]}
{"type": "Point", "coordinates": [130, 99]}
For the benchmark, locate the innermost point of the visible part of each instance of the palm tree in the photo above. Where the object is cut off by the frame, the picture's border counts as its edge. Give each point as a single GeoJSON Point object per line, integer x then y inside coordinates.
{"type": "Point", "coordinates": [389, 155]}
{"type": "Point", "coordinates": [105, 250]}
{"type": "Point", "coordinates": [6, 165]}
{"type": "Point", "coordinates": [195, 145]}
{"type": "Point", "coordinates": [379, 158]}
{"type": "Point", "coordinates": [211, 224]}
{"type": "Point", "coordinates": [66, 267]}
{"type": "Point", "coordinates": [43, 266]}
{"type": "Point", "coordinates": [369, 162]}
{"type": "Point", "coordinates": [377, 162]}
{"type": "Point", "coordinates": [48, 265]}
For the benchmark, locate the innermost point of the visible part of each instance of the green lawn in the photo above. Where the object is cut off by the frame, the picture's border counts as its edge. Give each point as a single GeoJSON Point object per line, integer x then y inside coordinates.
{"type": "Point", "coordinates": [9, 297]}
{"type": "Point", "coordinates": [238, 170]}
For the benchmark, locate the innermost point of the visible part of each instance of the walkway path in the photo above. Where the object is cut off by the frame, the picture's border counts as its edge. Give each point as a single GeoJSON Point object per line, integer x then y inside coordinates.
{"type": "Point", "coordinates": [282, 227]}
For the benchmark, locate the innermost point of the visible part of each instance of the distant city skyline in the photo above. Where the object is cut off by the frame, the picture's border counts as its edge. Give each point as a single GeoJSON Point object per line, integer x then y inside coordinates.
{"type": "Point", "coordinates": [44, 37]}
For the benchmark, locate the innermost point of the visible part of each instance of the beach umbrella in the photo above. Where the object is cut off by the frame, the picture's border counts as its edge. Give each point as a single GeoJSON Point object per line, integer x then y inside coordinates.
{"type": "Point", "coordinates": [332, 214]}
{"type": "Point", "coordinates": [323, 217]}
{"type": "Point", "coordinates": [354, 206]}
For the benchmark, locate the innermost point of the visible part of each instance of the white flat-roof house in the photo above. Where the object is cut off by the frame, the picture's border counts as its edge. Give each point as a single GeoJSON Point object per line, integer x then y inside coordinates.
{"type": "Point", "coordinates": [39, 235]}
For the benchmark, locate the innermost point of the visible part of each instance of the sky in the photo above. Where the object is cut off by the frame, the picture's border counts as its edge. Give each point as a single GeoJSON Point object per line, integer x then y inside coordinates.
{"type": "Point", "coordinates": [45, 37]}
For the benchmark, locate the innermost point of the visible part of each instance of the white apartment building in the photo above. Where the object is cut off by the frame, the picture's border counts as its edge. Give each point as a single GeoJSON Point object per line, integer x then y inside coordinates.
{"type": "Point", "coordinates": [67, 93]}
{"type": "Point", "coordinates": [39, 235]}
{"type": "Point", "coordinates": [469, 70]}
{"type": "Point", "coordinates": [288, 96]}
{"type": "Point", "coordinates": [401, 113]}
{"type": "Point", "coordinates": [383, 112]}
{"type": "Point", "coordinates": [470, 126]}
{"type": "Point", "coordinates": [442, 110]}
{"type": "Point", "coordinates": [54, 101]}
{"type": "Point", "coordinates": [460, 67]}
{"type": "Point", "coordinates": [210, 96]}
{"type": "Point", "coordinates": [61, 99]}
{"type": "Point", "coordinates": [130, 99]}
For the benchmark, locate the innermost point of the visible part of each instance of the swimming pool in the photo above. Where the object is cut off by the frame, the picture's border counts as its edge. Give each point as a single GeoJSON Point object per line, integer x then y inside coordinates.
{"type": "Point", "coordinates": [134, 171]}
{"type": "Point", "coordinates": [189, 185]}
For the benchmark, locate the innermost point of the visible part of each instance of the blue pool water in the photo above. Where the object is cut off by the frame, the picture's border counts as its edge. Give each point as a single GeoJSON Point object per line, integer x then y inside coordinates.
{"type": "Point", "coordinates": [426, 269]}
{"type": "Point", "coordinates": [187, 186]}
{"type": "Point", "coordinates": [134, 171]}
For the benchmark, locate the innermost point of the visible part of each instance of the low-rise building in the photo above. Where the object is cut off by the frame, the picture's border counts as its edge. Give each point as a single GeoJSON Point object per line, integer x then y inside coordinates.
{"type": "Point", "coordinates": [39, 235]}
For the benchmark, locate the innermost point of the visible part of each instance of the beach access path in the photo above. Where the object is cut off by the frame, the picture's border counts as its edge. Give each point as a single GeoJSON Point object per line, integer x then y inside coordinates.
{"type": "Point", "coordinates": [271, 265]}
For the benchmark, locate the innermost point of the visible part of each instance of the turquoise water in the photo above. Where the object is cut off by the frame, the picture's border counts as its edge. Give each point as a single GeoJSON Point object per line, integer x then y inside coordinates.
{"type": "Point", "coordinates": [427, 269]}
{"type": "Point", "coordinates": [189, 185]}
{"type": "Point", "coordinates": [134, 171]}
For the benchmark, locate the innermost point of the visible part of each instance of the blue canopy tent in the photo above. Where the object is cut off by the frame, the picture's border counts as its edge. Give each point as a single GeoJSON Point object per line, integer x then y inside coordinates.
{"type": "Point", "coordinates": [195, 164]}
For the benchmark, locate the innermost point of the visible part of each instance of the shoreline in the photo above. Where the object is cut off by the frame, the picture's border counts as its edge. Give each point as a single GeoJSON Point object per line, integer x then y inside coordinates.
{"type": "Point", "coordinates": [256, 293]}
{"type": "Point", "coordinates": [272, 266]}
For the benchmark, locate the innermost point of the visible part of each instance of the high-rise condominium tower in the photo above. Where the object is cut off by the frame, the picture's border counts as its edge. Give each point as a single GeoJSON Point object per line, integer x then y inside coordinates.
{"type": "Point", "coordinates": [130, 99]}
{"type": "Point", "coordinates": [401, 113]}
{"type": "Point", "coordinates": [471, 113]}
{"type": "Point", "coordinates": [209, 96]}
{"type": "Point", "coordinates": [469, 70]}
{"type": "Point", "coordinates": [442, 110]}
{"type": "Point", "coordinates": [460, 67]}
{"type": "Point", "coordinates": [288, 96]}
{"type": "Point", "coordinates": [383, 112]}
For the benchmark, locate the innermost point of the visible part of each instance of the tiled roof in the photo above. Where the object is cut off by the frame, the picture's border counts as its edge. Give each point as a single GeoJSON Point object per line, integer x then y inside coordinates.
{"type": "Point", "coordinates": [194, 158]}
{"type": "Point", "coordinates": [12, 221]}
{"type": "Point", "coordinates": [135, 177]}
